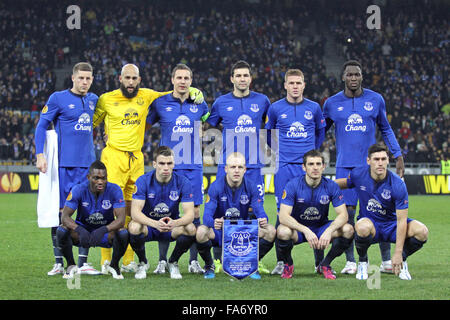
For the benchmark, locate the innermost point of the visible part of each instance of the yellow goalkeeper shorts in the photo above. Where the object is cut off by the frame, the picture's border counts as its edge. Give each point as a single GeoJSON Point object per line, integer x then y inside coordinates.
{"type": "Point", "coordinates": [123, 168]}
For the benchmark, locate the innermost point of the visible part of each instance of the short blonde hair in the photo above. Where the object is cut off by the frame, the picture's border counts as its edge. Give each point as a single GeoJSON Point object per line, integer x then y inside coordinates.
{"type": "Point", "coordinates": [294, 72]}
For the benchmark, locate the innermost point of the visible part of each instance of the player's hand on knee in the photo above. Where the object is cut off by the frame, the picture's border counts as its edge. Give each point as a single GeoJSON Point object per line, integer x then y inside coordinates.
{"type": "Point", "coordinates": [83, 236]}
{"type": "Point", "coordinates": [262, 222]}
{"type": "Point", "coordinates": [324, 240]}
{"type": "Point", "coordinates": [162, 225]}
{"type": "Point", "coordinates": [97, 236]}
{"type": "Point", "coordinates": [218, 223]}
{"type": "Point", "coordinates": [312, 239]}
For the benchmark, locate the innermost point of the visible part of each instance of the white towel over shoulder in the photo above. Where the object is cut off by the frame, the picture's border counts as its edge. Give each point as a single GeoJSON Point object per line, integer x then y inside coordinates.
{"type": "Point", "coordinates": [48, 193]}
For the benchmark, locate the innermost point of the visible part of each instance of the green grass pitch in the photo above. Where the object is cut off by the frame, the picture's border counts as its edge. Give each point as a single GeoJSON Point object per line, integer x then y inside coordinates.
{"type": "Point", "coordinates": [26, 256]}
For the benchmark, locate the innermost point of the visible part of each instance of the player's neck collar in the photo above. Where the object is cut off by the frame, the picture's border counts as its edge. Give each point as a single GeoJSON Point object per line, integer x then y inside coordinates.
{"type": "Point", "coordinates": [312, 186]}
{"type": "Point", "coordinates": [75, 94]}
{"type": "Point", "coordinates": [234, 187]}
{"type": "Point", "coordinates": [294, 103]}
{"type": "Point", "coordinates": [246, 96]}
{"type": "Point", "coordinates": [355, 96]}
{"type": "Point", "coordinates": [161, 182]}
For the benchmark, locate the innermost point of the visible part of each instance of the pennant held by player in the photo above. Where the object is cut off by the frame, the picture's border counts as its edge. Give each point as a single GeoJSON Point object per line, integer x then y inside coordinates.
{"type": "Point", "coordinates": [240, 252]}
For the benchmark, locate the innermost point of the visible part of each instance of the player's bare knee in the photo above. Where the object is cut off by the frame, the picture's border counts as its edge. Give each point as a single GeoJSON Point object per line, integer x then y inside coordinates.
{"type": "Point", "coordinates": [363, 227]}
{"type": "Point", "coordinates": [202, 234]}
{"type": "Point", "coordinates": [347, 231]}
{"type": "Point", "coordinates": [134, 227]}
{"type": "Point", "coordinates": [422, 233]}
{"type": "Point", "coordinates": [270, 233]}
{"type": "Point", "coordinates": [189, 230]}
{"type": "Point", "coordinates": [283, 232]}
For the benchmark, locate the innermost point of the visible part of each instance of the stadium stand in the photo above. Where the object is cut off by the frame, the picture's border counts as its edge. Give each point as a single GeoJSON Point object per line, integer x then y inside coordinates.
{"type": "Point", "coordinates": [406, 60]}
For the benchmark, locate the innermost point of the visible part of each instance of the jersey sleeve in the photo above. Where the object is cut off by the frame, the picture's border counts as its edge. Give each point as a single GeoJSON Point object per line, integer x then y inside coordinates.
{"type": "Point", "coordinates": [326, 115]}
{"type": "Point", "coordinates": [214, 117]}
{"type": "Point", "coordinates": [205, 111]}
{"type": "Point", "coordinates": [140, 189]}
{"type": "Point", "coordinates": [100, 112]}
{"type": "Point", "coordinates": [400, 195]}
{"type": "Point", "coordinates": [74, 198]}
{"type": "Point", "coordinates": [337, 197]}
{"type": "Point", "coordinates": [153, 116]}
{"type": "Point", "coordinates": [288, 197]}
{"type": "Point", "coordinates": [49, 112]}
{"type": "Point", "coordinates": [351, 180]}
{"type": "Point", "coordinates": [118, 200]}
{"type": "Point", "coordinates": [210, 207]}
{"type": "Point", "coordinates": [386, 130]}
{"type": "Point", "coordinates": [257, 204]}
{"type": "Point", "coordinates": [186, 191]}
{"type": "Point", "coordinates": [271, 118]}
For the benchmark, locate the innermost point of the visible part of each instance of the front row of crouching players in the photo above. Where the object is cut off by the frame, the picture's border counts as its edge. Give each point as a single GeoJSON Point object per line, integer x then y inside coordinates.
{"type": "Point", "coordinates": [303, 214]}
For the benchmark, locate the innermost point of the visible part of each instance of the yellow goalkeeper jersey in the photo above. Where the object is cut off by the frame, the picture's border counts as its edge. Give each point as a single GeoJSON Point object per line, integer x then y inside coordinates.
{"type": "Point", "coordinates": [125, 118]}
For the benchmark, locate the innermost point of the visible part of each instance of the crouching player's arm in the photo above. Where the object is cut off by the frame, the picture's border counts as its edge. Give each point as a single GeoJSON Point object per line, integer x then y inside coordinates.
{"type": "Point", "coordinates": [402, 225]}
{"type": "Point", "coordinates": [187, 204]}
{"type": "Point", "coordinates": [287, 220]}
{"type": "Point", "coordinates": [77, 231]}
{"type": "Point", "coordinates": [338, 223]}
{"type": "Point", "coordinates": [142, 219]}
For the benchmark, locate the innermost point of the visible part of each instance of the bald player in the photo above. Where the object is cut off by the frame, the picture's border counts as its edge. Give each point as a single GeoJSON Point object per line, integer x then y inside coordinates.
{"type": "Point", "coordinates": [124, 112]}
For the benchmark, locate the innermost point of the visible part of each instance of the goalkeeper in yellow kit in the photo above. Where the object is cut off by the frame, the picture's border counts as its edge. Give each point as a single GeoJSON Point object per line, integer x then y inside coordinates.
{"type": "Point", "coordinates": [124, 112]}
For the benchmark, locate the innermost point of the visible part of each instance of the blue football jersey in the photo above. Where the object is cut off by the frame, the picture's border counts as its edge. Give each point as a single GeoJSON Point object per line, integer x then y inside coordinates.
{"type": "Point", "coordinates": [378, 200]}
{"type": "Point", "coordinates": [180, 124]}
{"type": "Point", "coordinates": [162, 199]}
{"type": "Point", "coordinates": [297, 125]}
{"type": "Point", "coordinates": [242, 119]}
{"type": "Point", "coordinates": [356, 120]}
{"type": "Point", "coordinates": [310, 205]}
{"type": "Point", "coordinates": [72, 117]}
{"type": "Point", "coordinates": [93, 212]}
{"type": "Point", "coordinates": [233, 204]}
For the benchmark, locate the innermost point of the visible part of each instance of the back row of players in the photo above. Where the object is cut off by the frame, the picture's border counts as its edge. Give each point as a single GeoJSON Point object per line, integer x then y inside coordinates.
{"type": "Point", "coordinates": [151, 200]}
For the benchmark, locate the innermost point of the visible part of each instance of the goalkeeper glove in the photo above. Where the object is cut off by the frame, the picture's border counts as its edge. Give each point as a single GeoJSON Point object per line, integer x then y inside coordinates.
{"type": "Point", "coordinates": [196, 95]}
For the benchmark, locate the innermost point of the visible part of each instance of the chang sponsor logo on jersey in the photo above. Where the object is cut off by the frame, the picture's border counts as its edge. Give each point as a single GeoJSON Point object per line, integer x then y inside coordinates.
{"type": "Point", "coordinates": [232, 214]}
{"type": "Point", "coordinates": [297, 130]}
{"type": "Point", "coordinates": [84, 123]}
{"type": "Point", "coordinates": [311, 213]}
{"type": "Point", "coordinates": [182, 124]}
{"type": "Point", "coordinates": [161, 210]}
{"type": "Point", "coordinates": [355, 123]}
{"type": "Point", "coordinates": [244, 124]}
{"type": "Point", "coordinates": [131, 117]}
{"type": "Point", "coordinates": [96, 219]}
{"type": "Point", "coordinates": [374, 206]}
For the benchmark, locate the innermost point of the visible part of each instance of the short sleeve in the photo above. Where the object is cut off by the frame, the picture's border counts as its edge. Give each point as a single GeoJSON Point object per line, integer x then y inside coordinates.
{"type": "Point", "coordinates": [288, 197]}
{"type": "Point", "coordinates": [140, 189]}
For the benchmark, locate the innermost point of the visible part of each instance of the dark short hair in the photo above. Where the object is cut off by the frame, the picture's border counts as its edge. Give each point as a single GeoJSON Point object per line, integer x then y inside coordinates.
{"type": "Point", "coordinates": [377, 147]}
{"type": "Point", "coordinates": [162, 151]}
{"type": "Point", "coordinates": [312, 154]}
{"type": "Point", "coordinates": [241, 64]}
{"type": "Point", "coordinates": [82, 66]}
{"type": "Point", "coordinates": [97, 164]}
{"type": "Point", "coordinates": [351, 63]}
{"type": "Point", "coordinates": [181, 66]}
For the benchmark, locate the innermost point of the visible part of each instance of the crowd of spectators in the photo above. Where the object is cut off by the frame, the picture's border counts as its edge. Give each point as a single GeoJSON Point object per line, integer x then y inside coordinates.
{"type": "Point", "coordinates": [407, 60]}
{"type": "Point", "coordinates": [409, 67]}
